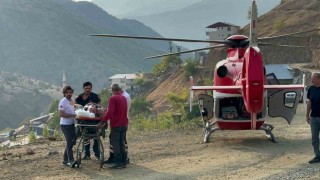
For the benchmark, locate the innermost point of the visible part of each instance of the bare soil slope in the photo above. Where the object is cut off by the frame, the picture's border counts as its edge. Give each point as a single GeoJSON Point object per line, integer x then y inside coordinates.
{"type": "Point", "coordinates": [180, 154]}
{"type": "Point", "coordinates": [175, 82]}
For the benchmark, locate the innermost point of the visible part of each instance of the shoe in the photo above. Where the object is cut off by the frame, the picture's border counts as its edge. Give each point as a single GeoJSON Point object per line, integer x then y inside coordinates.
{"type": "Point", "coordinates": [64, 163]}
{"type": "Point", "coordinates": [315, 160]}
{"type": "Point", "coordinates": [109, 161]}
{"type": "Point", "coordinates": [97, 156]}
{"type": "Point", "coordinates": [73, 164]}
{"type": "Point", "coordinates": [86, 158]}
{"type": "Point", "coordinates": [117, 166]}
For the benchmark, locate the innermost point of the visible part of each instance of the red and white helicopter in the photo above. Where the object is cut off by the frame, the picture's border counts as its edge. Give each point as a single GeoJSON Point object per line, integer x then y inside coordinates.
{"type": "Point", "coordinates": [243, 95]}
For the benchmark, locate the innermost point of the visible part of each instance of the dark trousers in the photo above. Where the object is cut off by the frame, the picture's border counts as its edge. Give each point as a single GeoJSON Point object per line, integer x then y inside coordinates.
{"type": "Point", "coordinates": [315, 128]}
{"type": "Point", "coordinates": [69, 134]}
{"type": "Point", "coordinates": [118, 143]}
{"type": "Point", "coordinates": [95, 147]}
{"type": "Point", "coordinates": [111, 155]}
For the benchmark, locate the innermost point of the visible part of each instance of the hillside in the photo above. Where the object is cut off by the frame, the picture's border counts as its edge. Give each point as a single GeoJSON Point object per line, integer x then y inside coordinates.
{"type": "Point", "coordinates": [191, 21]}
{"type": "Point", "coordinates": [291, 16]}
{"type": "Point", "coordinates": [22, 97]}
{"type": "Point", "coordinates": [294, 15]}
{"type": "Point", "coordinates": [40, 39]}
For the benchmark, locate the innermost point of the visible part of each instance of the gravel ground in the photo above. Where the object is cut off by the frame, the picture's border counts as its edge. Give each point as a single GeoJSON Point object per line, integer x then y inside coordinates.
{"type": "Point", "coordinates": [180, 154]}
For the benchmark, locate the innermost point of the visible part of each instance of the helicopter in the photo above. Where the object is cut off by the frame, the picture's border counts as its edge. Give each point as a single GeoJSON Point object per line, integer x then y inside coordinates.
{"type": "Point", "coordinates": [243, 94]}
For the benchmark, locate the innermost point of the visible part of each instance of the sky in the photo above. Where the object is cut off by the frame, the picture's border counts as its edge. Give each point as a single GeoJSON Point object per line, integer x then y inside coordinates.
{"type": "Point", "coordinates": [133, 8]}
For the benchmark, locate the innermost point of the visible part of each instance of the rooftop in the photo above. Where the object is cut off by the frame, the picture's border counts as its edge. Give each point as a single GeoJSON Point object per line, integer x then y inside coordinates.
{"type": "Point", "coordinates": [282, 71]}
{"type": "Point", "coordinates": [221, 24]}
{"type": "Point", "coordinates": [124, 76]}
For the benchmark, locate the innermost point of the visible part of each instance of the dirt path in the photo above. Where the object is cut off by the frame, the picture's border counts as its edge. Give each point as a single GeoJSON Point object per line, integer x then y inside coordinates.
{"type": "Point", "coordinates": [181, 155]}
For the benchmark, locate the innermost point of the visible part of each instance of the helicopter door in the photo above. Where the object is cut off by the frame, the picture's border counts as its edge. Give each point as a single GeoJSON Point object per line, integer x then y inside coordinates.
{"type": "Point", "coordinates": [283, 103]}
{"type": "Point", "coordinates": [272, 80]}
{"type": "Point", "coordinates": [206, 106]}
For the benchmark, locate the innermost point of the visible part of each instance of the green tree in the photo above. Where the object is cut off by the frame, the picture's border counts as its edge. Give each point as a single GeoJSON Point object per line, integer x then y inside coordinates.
{"type": "Point", "coordinates": [190, 68]}
{"type": "Point", "coordinates": [54, 122]}
{"type": "Point", "coordinates": [165, 63]}
{"type": "Point", "coordinates": [53, 106]}
{"type": "Point", "coordinates": [104, 96]}
{"type": "Point", "coordinates": [139, 105]}
{"type": "Point", "coordinates": [178, 101]}
{"type": "Point", "coordinates": [139, 81]}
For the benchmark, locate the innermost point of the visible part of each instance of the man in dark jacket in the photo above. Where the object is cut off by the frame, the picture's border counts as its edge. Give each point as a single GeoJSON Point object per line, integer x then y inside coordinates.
{"type": "Point", "coordinates": [117, 113]}
{"type": "Point", "coordinates": [89, 97]}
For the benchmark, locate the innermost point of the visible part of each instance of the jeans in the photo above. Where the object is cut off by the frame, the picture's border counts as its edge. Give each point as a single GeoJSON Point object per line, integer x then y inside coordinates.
{"type": "Point", "coordinates": [315, 128]}
{"type": "Point", "coordinates": [69, 134]}
{"type": "Point", "coordinates": [95, 147]}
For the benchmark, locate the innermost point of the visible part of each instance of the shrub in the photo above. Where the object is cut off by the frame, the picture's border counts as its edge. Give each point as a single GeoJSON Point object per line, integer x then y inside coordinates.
{"type": "Point", "coordinates": [45, 132]}
{"type": "Point", "coordinates": [32, 137]}
{"type": "Point", "coordinates": [189, 68]}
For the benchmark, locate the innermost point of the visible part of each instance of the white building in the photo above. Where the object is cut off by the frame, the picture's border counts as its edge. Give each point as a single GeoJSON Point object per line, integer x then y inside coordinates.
{"type": "Point", "coordinates": [221, 31]}
{"type": "Point", "coordinates": [125, 81]}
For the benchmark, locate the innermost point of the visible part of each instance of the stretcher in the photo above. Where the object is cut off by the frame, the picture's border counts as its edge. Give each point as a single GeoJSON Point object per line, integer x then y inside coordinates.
{"type": "Point", "coordinates": [87, 128]}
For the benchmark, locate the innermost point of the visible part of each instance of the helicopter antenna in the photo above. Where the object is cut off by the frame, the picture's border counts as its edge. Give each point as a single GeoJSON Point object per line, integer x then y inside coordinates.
{"type": "Point", "coordinates": [253, 23]}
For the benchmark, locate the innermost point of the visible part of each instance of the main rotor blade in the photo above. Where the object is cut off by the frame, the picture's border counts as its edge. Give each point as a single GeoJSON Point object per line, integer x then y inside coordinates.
{"type": "Point", "coordinates": [183, 52]}
{"type": "Point", "coordinates": [289, 34]}
{"type": "Point", "coordinates": [159, 38]}
{"type": "Point", "coordinates": [285, 45]}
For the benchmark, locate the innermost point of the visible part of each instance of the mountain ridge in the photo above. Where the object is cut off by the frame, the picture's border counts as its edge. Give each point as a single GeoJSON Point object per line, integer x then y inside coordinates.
{"type": "Point", "coordinates": [43, 38]}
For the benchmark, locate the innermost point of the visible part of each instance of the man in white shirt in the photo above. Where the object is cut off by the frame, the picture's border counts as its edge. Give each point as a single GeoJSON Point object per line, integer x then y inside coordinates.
{"type": "Point", "coordinates": [127, 96]}
{"type": "Point", "coordinates": [67, 116]}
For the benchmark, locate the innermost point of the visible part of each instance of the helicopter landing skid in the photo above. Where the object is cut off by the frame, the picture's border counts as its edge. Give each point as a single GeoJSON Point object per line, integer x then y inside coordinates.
{"type": "Point", "coordinates": [209, 130]}
{"type": "Point", "coordinates": [268, 129]}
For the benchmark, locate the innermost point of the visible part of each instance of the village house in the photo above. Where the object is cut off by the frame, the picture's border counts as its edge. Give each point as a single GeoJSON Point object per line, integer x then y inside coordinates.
{"type": "Point", "coordinates": [125, 81]}
{"type": "Point", "coordinates": [221, 31]}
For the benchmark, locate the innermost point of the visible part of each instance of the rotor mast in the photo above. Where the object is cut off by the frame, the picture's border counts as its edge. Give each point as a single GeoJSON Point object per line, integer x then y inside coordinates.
{"type": "Point", "coordinates": [253, 23]}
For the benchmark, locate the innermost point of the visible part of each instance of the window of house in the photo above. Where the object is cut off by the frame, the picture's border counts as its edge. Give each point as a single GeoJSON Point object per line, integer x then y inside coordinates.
{"type": "Point", "coordinates": [229, 28]}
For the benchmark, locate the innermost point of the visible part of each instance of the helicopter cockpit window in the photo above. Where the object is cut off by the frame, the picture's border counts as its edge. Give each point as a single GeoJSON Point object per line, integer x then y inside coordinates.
{"type": "Point", "coordinates": [289, 99]}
